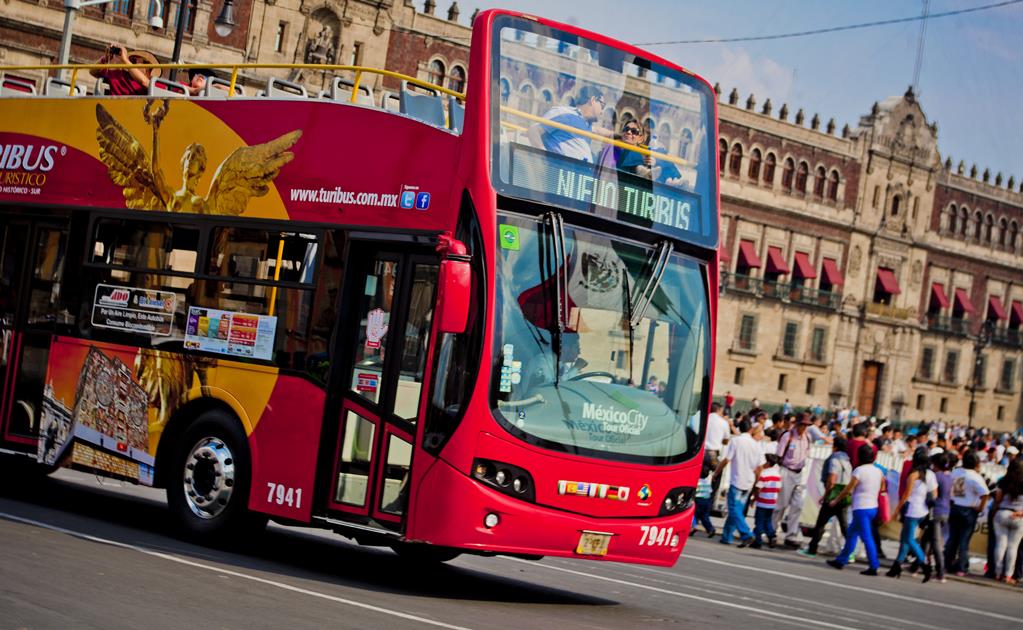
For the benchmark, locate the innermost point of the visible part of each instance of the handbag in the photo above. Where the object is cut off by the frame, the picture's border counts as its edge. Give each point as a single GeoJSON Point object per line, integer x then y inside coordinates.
{"type": "Point", "coordinates": [883, 509]}
{"type": "Point", "coordinates": [833, 494]}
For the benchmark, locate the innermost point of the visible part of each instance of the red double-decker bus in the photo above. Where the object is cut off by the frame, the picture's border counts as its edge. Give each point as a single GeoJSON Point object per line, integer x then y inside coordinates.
{"type": "Point", "coordinates": [483, 323]}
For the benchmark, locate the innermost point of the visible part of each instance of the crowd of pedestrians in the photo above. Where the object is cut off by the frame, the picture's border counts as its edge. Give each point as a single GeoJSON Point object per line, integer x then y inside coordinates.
{"type": "Point", "coordinates": [941, 491]}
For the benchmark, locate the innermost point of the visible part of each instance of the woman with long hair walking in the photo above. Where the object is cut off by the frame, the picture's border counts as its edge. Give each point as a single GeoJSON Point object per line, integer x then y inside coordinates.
{"type": "Point", "coordinates": [921, 489]}
{"type": "Point", "coordinates": [1008, 521]}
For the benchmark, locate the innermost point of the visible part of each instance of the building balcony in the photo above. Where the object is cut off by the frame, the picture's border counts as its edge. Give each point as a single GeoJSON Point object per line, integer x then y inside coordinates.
{"type": "Point", "coordinates": [793, 294]}
{"type": "Point", "coordinates": [948, 325]}
{"type": "Point", "coordinates": [1007, 337]}
{"type": "Point", "coordinates": [889, 311]}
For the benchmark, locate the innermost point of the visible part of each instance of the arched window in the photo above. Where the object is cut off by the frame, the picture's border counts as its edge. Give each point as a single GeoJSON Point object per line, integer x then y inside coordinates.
{"type": "Point", "coordinates": [456, 81]}
{"type": "Point", "coordinates": [754, 164]}
{"type": "Point", "coordinates": [818, 181]}
{"type": "Point", "coordinates": [722, 153]}
{"type": "Point", "coordinates": [1003, 231]}
{"type": "Point", "coordinates": [978, 225]}
{"type": "Point", "coordinates": [437, 72]}
{"type": "Point", "coordinates": [649, 124]}
{"type": "Point", "coordinates": [664, 136]}
{"type": "Point", "coordinates": [786, 174]}
{"type": "Point", "coordinates": [505, 91]}
{"type": "Point", "coordinates": [989, 229]}
{"type": "Point", "coordinates": [769, 164]}
{"type": "Point", "coordinates": [526, 98]}
{"type": "Point", "coordinates": [833, 186]}
{"type": "Point", "coordinates": [735, 161]}
{"type": "Point", "coordinates": [953, 214]}
{"type": "Point", "coordinates": [964, 222]}
{"type": "Point", "coordinates": [896, 205]}
{"type": "Point", "coordinates": [547, 100]}
{"type": "Point", "coordinates": [801, 176]}
{"type": "Point", "coordinates": [685, 142]}
{"type": "Point", "coordinates": [1013, 235]}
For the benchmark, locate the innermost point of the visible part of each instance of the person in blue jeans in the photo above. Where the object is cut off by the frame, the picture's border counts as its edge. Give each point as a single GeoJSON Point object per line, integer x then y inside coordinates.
{"type": "Point", "coordinates": [866, 484]}
{"type": "Point", "coordinates": [969, 496]}
{"type": "Point", "coordinates": [921, 485]}
{"type": "Point", "coordinates": [747, 459]}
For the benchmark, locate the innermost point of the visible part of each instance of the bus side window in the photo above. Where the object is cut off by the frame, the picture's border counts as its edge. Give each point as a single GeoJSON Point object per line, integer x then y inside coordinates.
{"type": "Point", "coordinates": [457, 363]}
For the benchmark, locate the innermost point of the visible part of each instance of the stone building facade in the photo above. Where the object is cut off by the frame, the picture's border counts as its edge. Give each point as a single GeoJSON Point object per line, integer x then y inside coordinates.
{"type": "Point", "coordinates": [859, 267]}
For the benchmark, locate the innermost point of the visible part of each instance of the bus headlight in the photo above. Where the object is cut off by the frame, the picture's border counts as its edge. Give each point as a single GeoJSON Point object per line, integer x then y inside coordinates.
{"type": "Point", "coordinates": [677, 500]}
{"type": "Point", "coordinates": [505, 478]}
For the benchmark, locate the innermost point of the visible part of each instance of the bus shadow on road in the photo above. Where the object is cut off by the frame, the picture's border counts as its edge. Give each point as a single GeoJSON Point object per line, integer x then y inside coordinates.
{"type": "Point", "coordinates": [139, 517]}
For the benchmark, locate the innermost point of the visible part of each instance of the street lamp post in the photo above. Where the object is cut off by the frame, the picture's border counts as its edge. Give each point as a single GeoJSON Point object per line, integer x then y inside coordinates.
{"type": "Point", "coordinates": [223, 25]}
{"type": "Point", "coordinates": [981, 342]}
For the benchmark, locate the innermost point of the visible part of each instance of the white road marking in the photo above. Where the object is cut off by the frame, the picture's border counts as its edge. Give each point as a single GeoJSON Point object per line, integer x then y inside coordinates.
{"type": "Point", "coordinates": [862, 589]}
{"type": "Point", "coordinates": [223, 571]}
{"type": "Point", "coordinates": [664, 591]}
{"type": "Point", "coordinates": [732, 588]}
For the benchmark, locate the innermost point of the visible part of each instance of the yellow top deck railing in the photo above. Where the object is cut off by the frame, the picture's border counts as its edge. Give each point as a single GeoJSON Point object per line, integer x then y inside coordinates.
{"type": "Point", "coordinates": [358, 72]}
{"type": "Point", "coordinates": [234, 68]}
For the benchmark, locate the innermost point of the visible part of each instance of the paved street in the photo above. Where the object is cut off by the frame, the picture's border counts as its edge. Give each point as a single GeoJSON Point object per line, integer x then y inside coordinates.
{"type": "Point", "coordinates": [84, 554]}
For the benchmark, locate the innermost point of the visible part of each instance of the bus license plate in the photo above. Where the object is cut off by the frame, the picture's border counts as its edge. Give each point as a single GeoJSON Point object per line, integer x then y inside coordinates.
{"type": "Point", "coordinates": [593, 544]}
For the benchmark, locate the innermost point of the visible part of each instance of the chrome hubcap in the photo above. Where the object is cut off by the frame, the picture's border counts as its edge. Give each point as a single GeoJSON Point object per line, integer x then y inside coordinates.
{"type": "Point", "coordinates": [209, 477]}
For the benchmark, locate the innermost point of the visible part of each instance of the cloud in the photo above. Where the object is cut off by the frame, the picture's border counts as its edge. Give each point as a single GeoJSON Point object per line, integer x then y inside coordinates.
{"type": "Point", "coordinates": [763, 76]}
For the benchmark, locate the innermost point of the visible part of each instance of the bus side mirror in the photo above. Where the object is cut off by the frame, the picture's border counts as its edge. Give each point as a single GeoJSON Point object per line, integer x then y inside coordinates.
{"type": "Point", "coordinates": [455, 291]}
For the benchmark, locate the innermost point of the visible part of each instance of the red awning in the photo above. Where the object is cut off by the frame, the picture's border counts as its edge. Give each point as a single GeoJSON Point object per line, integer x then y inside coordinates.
{"type": "Point", "coordinates": [803, 267]}
{"type": "Point", "coordinates": [724, 255]}
{"type": "Point", "coordinates": [938, 295]}
{"type": "Point", "coordinates": [994, 307]}
{"type": "Point", "coordinates": [888, 281]}
{"type": "Point", "coordinates": [963, 301]}
{"type": "Point", "coordinates": [831, 272]}
{"type": "Point", "coordinates": [748, 254]}
{"type": "Point", "coordinates": [776, 261]}
{"type": "Point", "coordinates": [1017, 311]}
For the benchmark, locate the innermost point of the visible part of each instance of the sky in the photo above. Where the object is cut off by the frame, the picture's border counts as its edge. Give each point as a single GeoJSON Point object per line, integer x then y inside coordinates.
{"type": "Point", "coordinates": [971, 81]}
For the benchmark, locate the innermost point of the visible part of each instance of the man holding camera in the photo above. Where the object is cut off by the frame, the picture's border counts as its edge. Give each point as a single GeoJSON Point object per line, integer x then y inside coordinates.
{"type": "Point", "coordinates": [126, 81]}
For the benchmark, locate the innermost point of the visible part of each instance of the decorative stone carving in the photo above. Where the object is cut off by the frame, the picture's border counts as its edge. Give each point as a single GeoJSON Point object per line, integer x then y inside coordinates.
{"type": "Point", "coordinates": [917, 274]}
{"type": "Point", "coordinates": [855, 258]}
{"type": "Point", "coordinates": [322, 37]}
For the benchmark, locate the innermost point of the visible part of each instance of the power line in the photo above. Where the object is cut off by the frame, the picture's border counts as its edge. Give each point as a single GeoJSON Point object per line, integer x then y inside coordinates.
{"type": "Point", "coordinates": [834, 29]}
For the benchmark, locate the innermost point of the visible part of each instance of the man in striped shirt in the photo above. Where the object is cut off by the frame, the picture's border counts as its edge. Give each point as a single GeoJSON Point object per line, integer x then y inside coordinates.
{"type": "Point", "coordinates": [766, 500]}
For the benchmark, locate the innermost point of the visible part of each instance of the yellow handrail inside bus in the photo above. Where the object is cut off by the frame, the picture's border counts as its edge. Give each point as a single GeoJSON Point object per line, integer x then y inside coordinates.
{"type": "Point", "coordinates": [235, 67]}
{"type": "Point", "coordinates": [596, 136]}
{"type": "Point", "coordinates": [277, 276]}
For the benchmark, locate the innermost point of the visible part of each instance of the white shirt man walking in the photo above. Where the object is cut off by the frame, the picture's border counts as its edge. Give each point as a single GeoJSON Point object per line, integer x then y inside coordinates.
{"type": "Point", "coordinates": [793, 453]}
{"type": "Point", "coordinates": [747, 460]}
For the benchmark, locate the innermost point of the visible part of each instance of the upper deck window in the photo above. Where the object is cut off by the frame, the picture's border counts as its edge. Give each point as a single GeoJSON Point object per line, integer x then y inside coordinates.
{"type": "Point", "coordinates": [573, 149]}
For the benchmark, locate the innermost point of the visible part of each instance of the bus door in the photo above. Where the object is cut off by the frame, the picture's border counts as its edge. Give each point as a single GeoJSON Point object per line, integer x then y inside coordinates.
{"type": "Point", "coordinates": [32, 256]}
{"type": "Point", "coordinates": [384, 331]}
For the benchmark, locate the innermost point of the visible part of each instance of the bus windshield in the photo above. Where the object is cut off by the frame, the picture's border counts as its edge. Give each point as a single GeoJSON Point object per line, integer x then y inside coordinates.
{"type": "Point", "coordinates": [588, 127]}
{"type": "Point", "coordinates": [612, 379]}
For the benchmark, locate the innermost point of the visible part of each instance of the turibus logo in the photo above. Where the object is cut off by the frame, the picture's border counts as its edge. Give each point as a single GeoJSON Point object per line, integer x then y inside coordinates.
{"type": "Point", "coordinates": [631, 422]}
{"type": "Point", "coordinates": [31, 158]}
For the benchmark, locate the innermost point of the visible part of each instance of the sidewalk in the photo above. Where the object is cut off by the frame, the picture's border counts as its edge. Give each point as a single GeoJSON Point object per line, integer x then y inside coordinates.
{"type": "Point", "coordinates": [889, 547]}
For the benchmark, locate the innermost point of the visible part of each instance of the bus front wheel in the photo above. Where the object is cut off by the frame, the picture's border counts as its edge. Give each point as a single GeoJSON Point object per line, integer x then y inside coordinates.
{"type": "Point", "coordinates": [211, 476]}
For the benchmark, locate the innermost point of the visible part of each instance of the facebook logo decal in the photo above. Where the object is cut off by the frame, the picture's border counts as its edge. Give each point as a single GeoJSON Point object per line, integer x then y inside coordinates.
{"type": "Point", "coordinates": [423, 200]}
{"type": "Point", "coordinates": [408, 199]}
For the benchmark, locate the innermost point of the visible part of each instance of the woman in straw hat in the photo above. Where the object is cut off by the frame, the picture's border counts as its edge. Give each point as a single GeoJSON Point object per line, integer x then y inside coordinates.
{"type": "Point", "coordinates": [127, 81]}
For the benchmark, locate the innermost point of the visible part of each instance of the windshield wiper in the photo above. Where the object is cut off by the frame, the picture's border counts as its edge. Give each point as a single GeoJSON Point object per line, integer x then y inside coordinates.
{"type": "Point", "coordinates": [653, 281]}
{"type": "Point", "coordinates": [556, 266]}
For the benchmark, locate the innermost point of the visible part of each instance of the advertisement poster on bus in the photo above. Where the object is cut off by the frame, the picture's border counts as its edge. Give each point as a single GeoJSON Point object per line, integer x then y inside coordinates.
{"type": "Point", "coordinates": [141, 311]}
{"type": "Point", "coordinates": [231, 333]}
{"type": "Point", "coordinates": [105, 427]}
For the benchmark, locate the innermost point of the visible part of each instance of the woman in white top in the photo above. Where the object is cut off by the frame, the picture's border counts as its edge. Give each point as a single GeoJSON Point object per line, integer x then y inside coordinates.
{"type": "Point", "coordinates": [1008, 520]}
{"type": "Point", "coordinates": [866, 484]}
{"type": "Point", "coordinates": [921, 484]}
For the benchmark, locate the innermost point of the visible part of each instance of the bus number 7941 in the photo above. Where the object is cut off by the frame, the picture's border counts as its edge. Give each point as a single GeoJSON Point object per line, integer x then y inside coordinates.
{"type": "Point", "coordinates": [280, 494]}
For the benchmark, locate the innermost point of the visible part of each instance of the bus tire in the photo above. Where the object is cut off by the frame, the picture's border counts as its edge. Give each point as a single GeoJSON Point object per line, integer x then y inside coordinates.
{"type": "Point", "coordinates": [419, 553]}
{"type": "Point", "coordinates": [209, 481]}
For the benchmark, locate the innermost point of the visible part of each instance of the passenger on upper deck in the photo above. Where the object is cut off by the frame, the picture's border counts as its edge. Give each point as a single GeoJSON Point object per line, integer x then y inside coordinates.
{"type": "Point", "coordinates": [612, 157]}
{"type": "Point", "coordinates": [586, 110]}
{"type": "Point", "coordinates": [197, 80]}
{"type": "Point", "coordinates": [128, 81]}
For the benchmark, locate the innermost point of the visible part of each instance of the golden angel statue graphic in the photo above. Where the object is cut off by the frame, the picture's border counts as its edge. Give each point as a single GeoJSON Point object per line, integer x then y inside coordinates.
{"type": "Point", "coordinates": [245, 173]}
